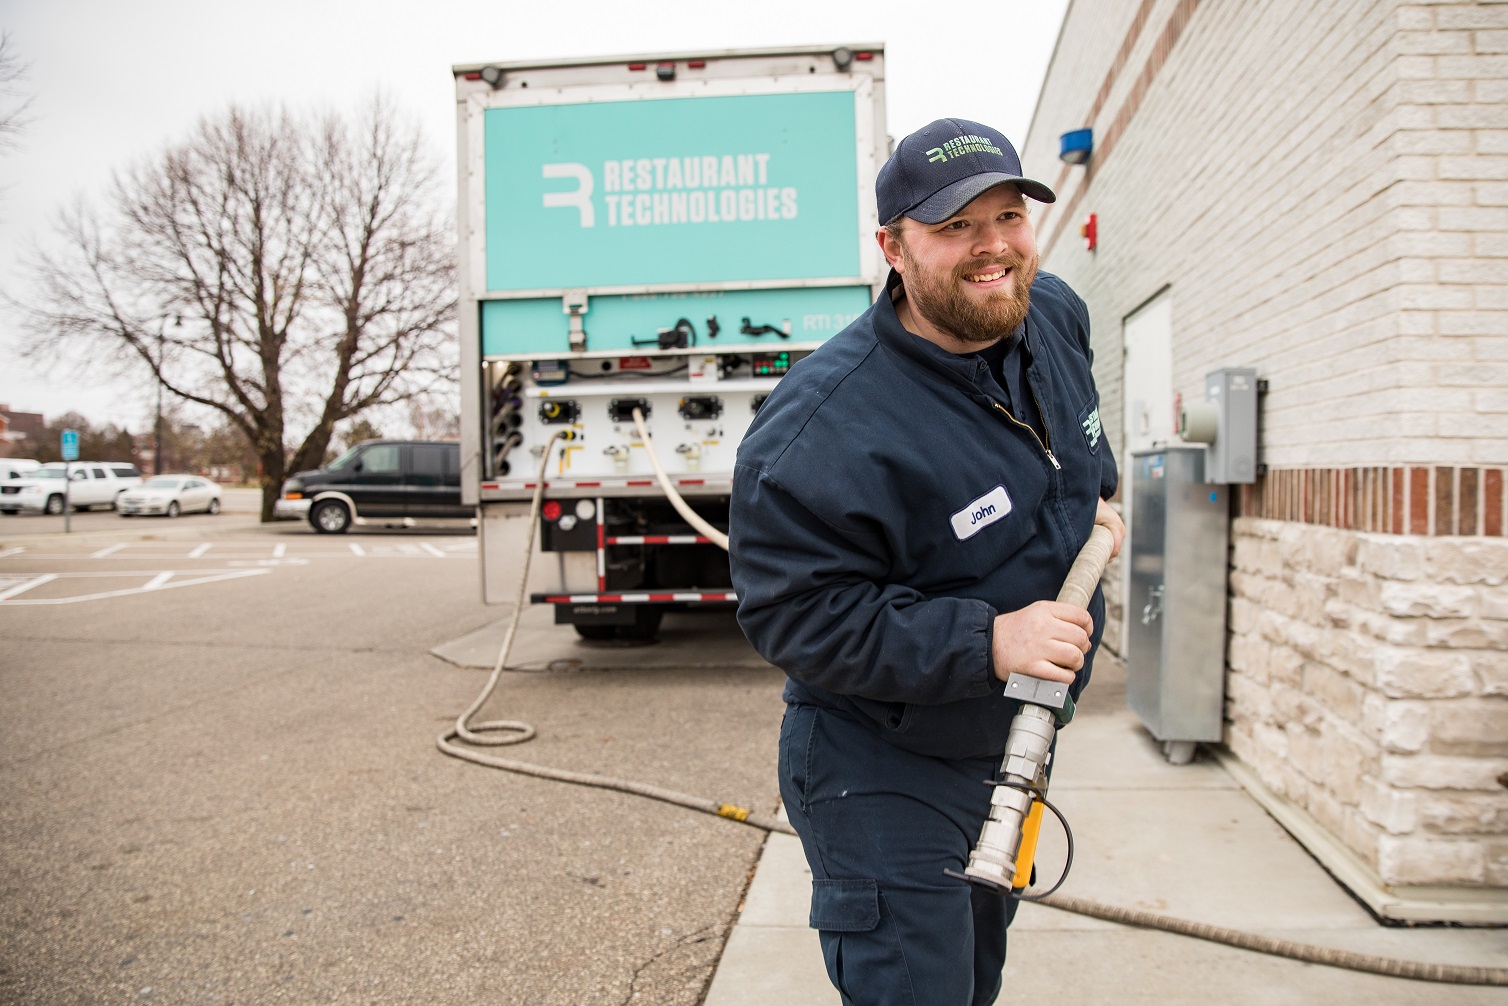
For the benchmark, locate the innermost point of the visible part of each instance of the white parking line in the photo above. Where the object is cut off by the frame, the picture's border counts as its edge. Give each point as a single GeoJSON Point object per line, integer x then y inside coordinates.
{"type": "Point", "coordinates": [196, 553]}
{"type": "Point", "coordinates": [279, 550]}
{"type": "Point", "coordinates": [110, 550]}
{"type": "Point", "coordinates": [162, 581]}
{"type": "Point", "coordinates": [431, 550]}
{"type": "Point", "coordinates": [357, 549]}
{"type": "Point", "coordinates": [20, 588]}
{"type": "Point", "coordinates": [12, 551]}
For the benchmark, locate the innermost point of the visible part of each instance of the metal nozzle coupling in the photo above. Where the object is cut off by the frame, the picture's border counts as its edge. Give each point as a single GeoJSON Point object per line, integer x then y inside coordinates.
{"type": "Point", "coordinates": [993, 860]}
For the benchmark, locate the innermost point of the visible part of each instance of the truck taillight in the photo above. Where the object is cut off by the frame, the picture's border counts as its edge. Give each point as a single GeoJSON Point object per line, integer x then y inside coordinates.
{"type": "Point", "coordinates": [550, 511]}
{"type": "Point", "coordinates": [863, 55]}
{"type": "Point", "coordinates": [638, 66]}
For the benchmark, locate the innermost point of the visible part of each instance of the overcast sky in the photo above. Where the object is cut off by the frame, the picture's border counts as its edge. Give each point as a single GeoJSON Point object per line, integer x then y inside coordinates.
{"type": "Point", "coordinates": [113, 82]}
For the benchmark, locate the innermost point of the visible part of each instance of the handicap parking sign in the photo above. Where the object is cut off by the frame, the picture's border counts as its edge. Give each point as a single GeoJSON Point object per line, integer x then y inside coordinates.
{"type": "Point", "coordinates": [70, 445]}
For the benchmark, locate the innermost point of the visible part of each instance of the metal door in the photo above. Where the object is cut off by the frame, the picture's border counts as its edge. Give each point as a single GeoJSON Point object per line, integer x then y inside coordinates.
{"type": "Point", "coordinates": [1147, 407]}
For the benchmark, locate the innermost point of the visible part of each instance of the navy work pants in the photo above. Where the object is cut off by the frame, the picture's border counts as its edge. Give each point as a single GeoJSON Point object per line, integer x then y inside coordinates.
{"type": "Point", "coordinates": [879, 826]}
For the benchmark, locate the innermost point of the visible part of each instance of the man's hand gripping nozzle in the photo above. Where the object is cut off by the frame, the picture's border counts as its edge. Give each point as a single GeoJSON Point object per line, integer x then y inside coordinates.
{"type": "Point", "coordinates": [1002, 858]}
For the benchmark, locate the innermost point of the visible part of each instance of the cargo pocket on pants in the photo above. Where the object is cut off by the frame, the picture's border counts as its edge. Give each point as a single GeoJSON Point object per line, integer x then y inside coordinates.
{"type": "Point", "coordinates": [846, 914]}
{"type": "Point", "coordinates": [845, 906]}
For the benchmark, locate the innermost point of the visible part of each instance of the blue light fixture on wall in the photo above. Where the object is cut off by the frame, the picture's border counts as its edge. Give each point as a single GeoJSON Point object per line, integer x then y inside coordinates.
{"type": "Point", "coordinates": [1075, 147]}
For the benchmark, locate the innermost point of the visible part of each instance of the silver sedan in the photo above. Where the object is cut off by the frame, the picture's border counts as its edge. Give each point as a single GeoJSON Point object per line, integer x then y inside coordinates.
{"type": "Point", "coordinates": [170, 495]}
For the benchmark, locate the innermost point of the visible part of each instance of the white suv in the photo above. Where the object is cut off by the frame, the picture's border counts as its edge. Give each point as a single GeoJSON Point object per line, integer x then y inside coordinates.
{"type": "Point", "coordinates": [92, 484]}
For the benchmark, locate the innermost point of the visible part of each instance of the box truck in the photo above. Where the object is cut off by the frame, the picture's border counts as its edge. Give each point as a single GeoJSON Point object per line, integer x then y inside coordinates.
{"type": "Point", "coordinates": [663, 235]}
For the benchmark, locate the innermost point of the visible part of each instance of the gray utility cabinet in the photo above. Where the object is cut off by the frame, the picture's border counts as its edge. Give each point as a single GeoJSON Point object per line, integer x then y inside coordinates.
{"type": "Point", "coordinates": [1175, 607]}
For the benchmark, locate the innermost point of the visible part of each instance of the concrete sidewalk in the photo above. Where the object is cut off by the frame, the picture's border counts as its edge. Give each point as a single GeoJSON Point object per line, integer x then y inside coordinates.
{"type": "Point", "coordinates": [1184, 841]}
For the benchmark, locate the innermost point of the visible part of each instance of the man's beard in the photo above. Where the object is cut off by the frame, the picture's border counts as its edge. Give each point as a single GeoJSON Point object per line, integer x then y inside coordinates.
{"type": "Point", "coordinates": [941, 299]}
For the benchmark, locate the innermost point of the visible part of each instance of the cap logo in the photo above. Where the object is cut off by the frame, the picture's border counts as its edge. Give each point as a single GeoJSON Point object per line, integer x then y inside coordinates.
{"type": "Point", "coordinates": [970, 144]}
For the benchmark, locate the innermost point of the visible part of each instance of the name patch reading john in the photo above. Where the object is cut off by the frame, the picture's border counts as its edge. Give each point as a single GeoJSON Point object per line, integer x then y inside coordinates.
{"type": "Point", "coordinates": [981, 513]}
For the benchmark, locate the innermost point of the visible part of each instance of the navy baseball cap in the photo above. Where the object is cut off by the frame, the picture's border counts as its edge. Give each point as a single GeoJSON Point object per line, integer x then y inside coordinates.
{"type": "Point", "coordinates": [942, 167]}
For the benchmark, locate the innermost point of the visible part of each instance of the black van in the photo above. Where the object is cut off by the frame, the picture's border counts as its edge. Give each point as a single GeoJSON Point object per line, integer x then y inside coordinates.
{"type": "Point", "coordinates": [393, 482]}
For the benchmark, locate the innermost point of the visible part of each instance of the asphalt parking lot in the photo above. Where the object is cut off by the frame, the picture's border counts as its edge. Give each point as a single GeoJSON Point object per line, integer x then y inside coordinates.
{"type": "Point", "coordinates": [222, 784]}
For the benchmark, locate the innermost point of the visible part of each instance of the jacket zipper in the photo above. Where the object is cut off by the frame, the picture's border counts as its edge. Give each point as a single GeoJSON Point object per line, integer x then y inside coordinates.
{"type": "Point", "coordinates": [1040, 442]}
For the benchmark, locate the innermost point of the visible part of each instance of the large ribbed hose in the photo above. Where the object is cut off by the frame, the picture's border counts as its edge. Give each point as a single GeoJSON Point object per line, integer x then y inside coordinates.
{"type": "Point", "coordinates": [1456, 974]}
{"type": "Point", "coordinates": [1078, 588]}
{"type": "Point", "coordinates": [1084, 575]}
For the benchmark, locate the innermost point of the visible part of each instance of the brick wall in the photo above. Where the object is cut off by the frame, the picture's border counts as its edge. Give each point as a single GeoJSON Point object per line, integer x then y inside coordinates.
{"type": "Point", "coordinates": [1322, 189]}
{"type": "Point", "coordinates": [1416, 499]}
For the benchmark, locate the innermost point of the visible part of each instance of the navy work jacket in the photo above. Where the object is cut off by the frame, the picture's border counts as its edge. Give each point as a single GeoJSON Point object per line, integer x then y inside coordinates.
{"type": "Point", "coordinates": [886, 507]}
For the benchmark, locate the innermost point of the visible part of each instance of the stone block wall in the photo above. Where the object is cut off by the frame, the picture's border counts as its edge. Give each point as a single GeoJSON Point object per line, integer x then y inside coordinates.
{"type": "Point", "coordinates": [1368, 683]}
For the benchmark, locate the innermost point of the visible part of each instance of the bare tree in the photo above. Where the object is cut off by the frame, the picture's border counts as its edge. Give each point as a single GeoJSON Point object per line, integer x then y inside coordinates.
{"type": "Point", "coordinates": [439, 419]}
{"type": "Point", "coordinates": [287, 272]}
{"type": "Point", "coordinates": [13, 107]}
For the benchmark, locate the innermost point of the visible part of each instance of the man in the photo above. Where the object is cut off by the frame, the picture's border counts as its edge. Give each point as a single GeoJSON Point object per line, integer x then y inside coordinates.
{"type": "Point", "coordinates": [905, 506]}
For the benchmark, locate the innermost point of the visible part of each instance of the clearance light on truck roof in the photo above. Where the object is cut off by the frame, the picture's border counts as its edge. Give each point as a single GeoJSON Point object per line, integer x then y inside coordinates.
{"type": "Point", "coordinates": [843, 57]}
{"type": "Point", "coordinates": [491, 74]}
{"type": "Point", "coordinates": [665, 71]}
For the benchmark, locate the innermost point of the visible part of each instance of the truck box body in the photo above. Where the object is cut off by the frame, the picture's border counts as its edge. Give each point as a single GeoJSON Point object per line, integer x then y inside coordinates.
{"type": "Point", "coordinates": [666, 232]}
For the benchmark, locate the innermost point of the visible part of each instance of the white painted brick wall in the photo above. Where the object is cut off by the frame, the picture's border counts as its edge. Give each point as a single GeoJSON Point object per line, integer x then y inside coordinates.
{"type": "Point", "coordinates": [1325, 187]}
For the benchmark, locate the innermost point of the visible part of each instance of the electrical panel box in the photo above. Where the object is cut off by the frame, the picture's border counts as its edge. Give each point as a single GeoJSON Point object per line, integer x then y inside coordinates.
{"type": "Point", "coordinates": [1176, 604]}
{"type": "Point", "coordinates": [1232, 457]}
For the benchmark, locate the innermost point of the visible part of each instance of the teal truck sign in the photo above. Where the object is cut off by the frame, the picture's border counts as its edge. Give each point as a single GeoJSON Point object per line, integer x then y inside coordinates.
{"type": "Point", "coordinates": [671, 191]}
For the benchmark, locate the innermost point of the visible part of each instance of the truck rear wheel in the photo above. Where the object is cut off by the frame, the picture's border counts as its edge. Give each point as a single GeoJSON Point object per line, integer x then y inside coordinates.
{"type": "Point", "coordinates": [597, 633]}
{"type": "Point", "coordinates": [646, 623]}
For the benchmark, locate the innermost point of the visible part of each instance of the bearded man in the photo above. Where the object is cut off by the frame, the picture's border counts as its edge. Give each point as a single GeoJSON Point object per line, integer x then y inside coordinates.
{"type": "Point", "coordinates": [905, 506]}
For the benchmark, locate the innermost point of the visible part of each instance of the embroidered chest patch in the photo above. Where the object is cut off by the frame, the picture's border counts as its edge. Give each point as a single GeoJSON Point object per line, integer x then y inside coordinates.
{"type": "Point", "coordinates": [981, 513]}
{"type": "Point", "coordinates": [1091, 427]}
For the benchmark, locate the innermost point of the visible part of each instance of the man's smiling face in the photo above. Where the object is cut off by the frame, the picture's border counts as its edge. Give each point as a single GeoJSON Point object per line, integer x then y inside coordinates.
{"type": "Point", "coordinates": [968, 278]}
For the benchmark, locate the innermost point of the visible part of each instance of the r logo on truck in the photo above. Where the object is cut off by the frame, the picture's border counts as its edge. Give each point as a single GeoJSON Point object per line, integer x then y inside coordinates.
{"type": "Point", "coordinates": [581, 198]}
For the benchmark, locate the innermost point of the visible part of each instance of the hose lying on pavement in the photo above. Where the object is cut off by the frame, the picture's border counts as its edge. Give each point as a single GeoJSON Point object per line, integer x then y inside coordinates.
{"type": "Point", "coordinates": [496, 733]}
{"type": "Point", "coordinates": [1451, 973]}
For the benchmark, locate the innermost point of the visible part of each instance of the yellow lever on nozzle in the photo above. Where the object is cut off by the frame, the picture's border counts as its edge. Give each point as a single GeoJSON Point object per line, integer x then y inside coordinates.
{"type": "Point", "coordinates": [1024, 859]}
